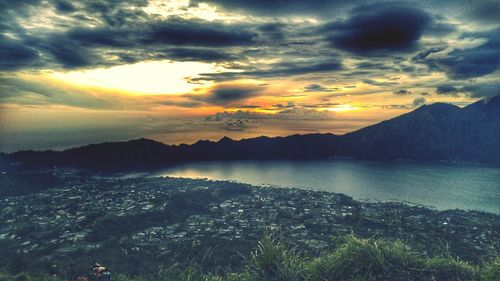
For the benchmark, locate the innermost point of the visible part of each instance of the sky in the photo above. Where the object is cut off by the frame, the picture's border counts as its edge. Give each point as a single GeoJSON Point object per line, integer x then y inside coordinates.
{"type": "Point", "coordinates": [176, 71]}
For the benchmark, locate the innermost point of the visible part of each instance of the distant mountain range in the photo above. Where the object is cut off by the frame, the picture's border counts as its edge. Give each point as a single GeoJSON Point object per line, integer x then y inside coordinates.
{"type": "Point", "coordinates": [437, 132]}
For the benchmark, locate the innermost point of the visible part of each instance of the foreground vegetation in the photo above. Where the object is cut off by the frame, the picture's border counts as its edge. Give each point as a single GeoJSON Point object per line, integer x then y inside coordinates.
{"type": "Point", "coordinates": [354, 259]}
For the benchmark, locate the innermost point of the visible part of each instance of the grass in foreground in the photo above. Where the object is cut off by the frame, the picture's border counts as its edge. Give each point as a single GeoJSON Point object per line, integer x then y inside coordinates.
{"type": "Point", "coordinates": [355, 259]}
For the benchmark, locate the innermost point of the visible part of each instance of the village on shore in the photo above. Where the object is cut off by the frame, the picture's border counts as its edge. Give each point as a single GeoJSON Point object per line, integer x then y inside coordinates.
{"type": "Point", "coordinates": [214, 222]}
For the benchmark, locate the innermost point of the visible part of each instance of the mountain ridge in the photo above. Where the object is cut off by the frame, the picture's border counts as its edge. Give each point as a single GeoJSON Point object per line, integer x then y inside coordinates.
{"type": "Point", "coordinates": [436, 132]}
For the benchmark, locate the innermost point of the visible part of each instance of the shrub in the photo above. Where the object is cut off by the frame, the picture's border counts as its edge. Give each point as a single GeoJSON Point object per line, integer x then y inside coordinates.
{"type": "Point", "coordinates": [491, 272]}
{"type": "Point", "coordinates": [365, 259]}
{"type": "Point", "coordinates": [274, 262]}
{"type": "Point", "coordinates": [375, 259]}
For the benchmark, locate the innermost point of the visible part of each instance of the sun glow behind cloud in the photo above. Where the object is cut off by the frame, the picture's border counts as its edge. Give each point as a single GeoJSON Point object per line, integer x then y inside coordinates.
{"type": "Point", "coordinates": [343, 108]}
{"type": "Point", "coordinates": [154, 77]}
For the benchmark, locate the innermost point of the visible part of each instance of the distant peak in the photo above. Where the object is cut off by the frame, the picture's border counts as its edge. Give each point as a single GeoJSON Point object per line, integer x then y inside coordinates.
{"type": "Point", "coordinates": [225, 139]}
{"type": "Point", "coordinates": [441, 104]}
{"type": "Point", "coordinates": [203, 142]}
{"type": "Point", "coordinates": [493, 102]}
{"type": "Point", "coordinates": [141, 140]}
{"type": "Point", "coordinates": [144, 140]}
{"type": "Point", "coordinates": [438, 106]}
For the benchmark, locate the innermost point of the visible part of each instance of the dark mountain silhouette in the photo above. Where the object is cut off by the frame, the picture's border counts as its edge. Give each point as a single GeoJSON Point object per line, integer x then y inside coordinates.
{"type": "Point", "coordinates": [437, 132]}
{"type": "Point", "coordinates": [434, 132]}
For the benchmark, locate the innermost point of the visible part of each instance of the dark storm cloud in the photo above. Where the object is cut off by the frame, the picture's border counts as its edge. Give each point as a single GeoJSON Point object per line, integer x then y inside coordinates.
{"type": "Point", "coordinates": [280, 7]}
{"type": "Point", "coordinates": [273, 31]}
{"type": "Point", "coordinates": [14, 54]}
{"type": "Point", "coordinates": [304, 68]}
{"type": "Point", "coordinates": [65, 52]}
{"type": "Point", "coordinates": [176, 32]}
{"type": "Point", "coordinates": [402, 92]}
{"type": "Point", "coordinates": [468, 63]}
{"type": "Point", "coordinates": [419, 101]}
{"type": "Point", "coordinates": [474, 90]}
{"type": "Point", "coordinates": [421, 57]}
{"type": "Point", "coordinates": [377, 83]}
{"type": "Point", "coordinates": [222, 95]}
{"type": "Point", "coordinates": [6, 5]}
{"type": "Point", "coordinates": [228, 94]}
{"type": "Point", "coordinates": [446, 89]}
{"type": "Point", "coordinates": [86, 47]}
{"type": "Point", "coordinates": [197, 33]}
{"type": "Point", "coordinates": [485, 11]}
{"type": "Point", "coordinates": [114, 13]}
{"type": "Point", "coordinates": [371, 31]}
{"type": "Point", "coordinates": [283, 69]}
{"type": "Point", "coordinates": [64, 6]}
{"type": "Point", "coordinates": [72, 58]}
{"type": "Point", "coordinates": [368, 65]}
{"type": "Point", "coordinates": [104, 37]}
{"type": "Point", "coordinates": [198, 54]}
{"type": "Point", "coordinates": [11, 11]}
{"type": "Point", "coordinates": [316, 88]}
{"type": "Point", "coordinates": [483, 90]}
{"type": "Point", "coordinates": [123, 34]}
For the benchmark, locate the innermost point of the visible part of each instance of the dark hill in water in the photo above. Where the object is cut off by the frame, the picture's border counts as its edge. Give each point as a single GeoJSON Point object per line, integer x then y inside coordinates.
{"type": "Point", "coordinates": [437, 132]}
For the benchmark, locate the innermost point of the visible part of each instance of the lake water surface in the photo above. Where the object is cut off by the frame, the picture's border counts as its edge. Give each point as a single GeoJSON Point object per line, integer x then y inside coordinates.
{"type": "Point", "coordinates": [435, 185]}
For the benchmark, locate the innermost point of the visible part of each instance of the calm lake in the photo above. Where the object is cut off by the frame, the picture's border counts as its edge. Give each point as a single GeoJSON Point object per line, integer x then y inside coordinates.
{"type": "Point", "coordinates": [438, 186]}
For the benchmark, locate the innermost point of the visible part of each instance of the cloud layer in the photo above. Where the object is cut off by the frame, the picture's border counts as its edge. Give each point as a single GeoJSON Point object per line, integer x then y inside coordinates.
{"type": "Point", "coordinates": [279, 66]}
{"type": "Point", "coordinates": [376, 30]}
